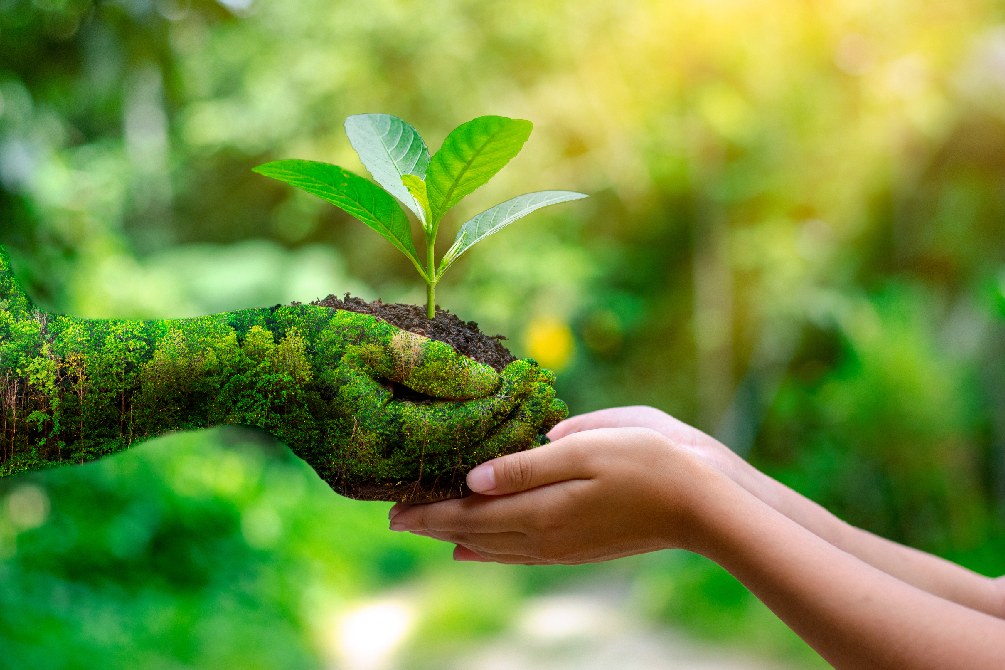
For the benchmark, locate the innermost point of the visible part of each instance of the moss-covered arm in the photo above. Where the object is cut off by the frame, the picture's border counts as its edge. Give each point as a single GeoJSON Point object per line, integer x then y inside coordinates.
{"type": "Point", "coordinates": [329, 383]}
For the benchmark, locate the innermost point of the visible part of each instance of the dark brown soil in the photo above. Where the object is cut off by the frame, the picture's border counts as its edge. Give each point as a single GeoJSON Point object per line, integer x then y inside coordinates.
{"type": "Point", "coordinates": [464, 336]}
{"type": "Point", "coordinates": [451, 485]}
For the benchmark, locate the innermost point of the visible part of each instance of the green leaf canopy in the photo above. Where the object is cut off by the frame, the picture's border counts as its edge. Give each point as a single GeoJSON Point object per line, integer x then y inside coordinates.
{"type": "Point", "coordinates": [390, 149]}
{"type": "Point", "coordinates": [496, 218]}
{"type": "Point", "coordinates": [351, 193]}
{"type": "Point", "coordinates": [472, 154]}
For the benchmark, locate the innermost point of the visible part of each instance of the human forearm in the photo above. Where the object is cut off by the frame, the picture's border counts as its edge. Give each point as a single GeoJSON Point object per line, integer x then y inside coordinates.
{"type": "Point", "coordinates": [925, 571]}
{"type": "Point", "coordinates": [853, 614]}
{"type": "Point", "coordinates": [77, 389]}
{"type": "Point", "coordinates": [598, 493]}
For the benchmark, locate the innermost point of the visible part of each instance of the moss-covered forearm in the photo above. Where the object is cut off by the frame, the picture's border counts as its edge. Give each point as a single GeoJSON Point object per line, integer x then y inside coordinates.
{"type": "Point", "coordinates": [321, 380]}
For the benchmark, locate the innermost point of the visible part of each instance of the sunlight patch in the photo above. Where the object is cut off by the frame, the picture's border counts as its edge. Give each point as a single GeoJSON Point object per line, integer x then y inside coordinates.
{"type": "Point", "coordinates": [367, 636]}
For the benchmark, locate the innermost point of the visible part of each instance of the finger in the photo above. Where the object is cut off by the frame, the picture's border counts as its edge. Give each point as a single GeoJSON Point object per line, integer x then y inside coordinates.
{"type": "Point", "coordinates": [602, 418]}
{"type": "Point", "coordinates": [439, 516]}
{"type": "Point", "coordinates": [438, 370]}
{"type": "Point", "coordinates": [486, 542]}
{"type": "Point", "coordinates": [395, 508]}
{"type": "Point", "coordinates": [462, 553]}
{"type": "Point", "coordinates": [453, 426]}
{"type": "Point", "coordinates": [358, 389]}
{"type": "Point", "coordinates": [474, 431]}
{"type": "Point", "coordinates": [533, 417]}
{"type": "Point", "coordinates": [437, 443]}
{"type": "Point", "coordinates": [455, 515]}
{"type": "Point", "coordinates": [473, 514]}
{"type": "Point", "coordinates": [558, 461]}
{"type": "Point", "coordinates": [573, 424]}
{"type": "Point", "coordinates": [465, 554]}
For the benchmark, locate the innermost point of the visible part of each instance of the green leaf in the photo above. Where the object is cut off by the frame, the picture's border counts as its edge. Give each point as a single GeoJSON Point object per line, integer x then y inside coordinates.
{"type": "Point", "coordinates": [417, 188]}
{"type": "Point", "coordinates": [351, 193]}
{"type": "Point", "coordinates": [496, 218]}
{"type": "Point", "coordinates": [471, 155]}
{"type": "Point", "coordinates": [390, 149]}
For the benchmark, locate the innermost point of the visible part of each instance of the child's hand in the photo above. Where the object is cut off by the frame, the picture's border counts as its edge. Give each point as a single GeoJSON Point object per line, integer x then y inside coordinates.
{"type": "Point", "coordinates": [687, 437]}
{"type": "Point", "coordinates": [592, 495]}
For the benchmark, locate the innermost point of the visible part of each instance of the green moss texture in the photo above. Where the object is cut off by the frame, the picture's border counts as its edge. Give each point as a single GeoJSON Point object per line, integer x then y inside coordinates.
{"type": "Point", "coordinates": [326, 382]}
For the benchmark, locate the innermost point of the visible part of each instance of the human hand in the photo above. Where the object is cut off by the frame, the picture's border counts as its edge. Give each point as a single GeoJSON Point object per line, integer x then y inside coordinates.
{"type": "Point", "coordinates": [409, 416]}
{"type": "Point", "coordinates": [589, 496]}
{"type": "Point", "coordinates": [688, 437]}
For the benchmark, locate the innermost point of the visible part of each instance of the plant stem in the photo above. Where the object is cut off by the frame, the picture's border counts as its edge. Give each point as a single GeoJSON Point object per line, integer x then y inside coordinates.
{"type": "Point", "coordinates": [431, 278]}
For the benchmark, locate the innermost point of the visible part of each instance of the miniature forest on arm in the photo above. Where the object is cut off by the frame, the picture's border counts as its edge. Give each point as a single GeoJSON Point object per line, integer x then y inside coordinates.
{"type": "Point", "coordinates": [379, 412]}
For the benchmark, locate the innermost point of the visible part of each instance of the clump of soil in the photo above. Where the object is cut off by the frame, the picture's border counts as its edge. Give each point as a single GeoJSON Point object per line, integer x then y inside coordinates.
{"type": "Point", "coordinates": [464, 336]}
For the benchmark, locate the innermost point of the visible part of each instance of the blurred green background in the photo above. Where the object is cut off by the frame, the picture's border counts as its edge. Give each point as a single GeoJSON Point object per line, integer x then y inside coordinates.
{"type": "Point", "coordinates": [795, 241]}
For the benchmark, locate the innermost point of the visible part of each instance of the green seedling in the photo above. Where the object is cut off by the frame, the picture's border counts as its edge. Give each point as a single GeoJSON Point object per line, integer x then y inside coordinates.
{"type": "Point", "coordinates": [429, 187]}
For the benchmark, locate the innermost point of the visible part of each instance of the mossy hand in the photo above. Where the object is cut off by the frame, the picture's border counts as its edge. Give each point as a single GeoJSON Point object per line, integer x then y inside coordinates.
{"type": "Point", "coordinates": [378, 412]}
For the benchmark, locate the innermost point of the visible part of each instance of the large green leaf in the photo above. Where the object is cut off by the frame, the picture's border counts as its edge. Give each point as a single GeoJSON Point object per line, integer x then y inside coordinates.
{"type": "Point", "coordinates": [353, 194]}
{"type": "Point", "coordinates": [496, 218]}
{"type": "Point", "coordinates": [471, 155]}
{"type": "Point", "coordinates": [390, 149]}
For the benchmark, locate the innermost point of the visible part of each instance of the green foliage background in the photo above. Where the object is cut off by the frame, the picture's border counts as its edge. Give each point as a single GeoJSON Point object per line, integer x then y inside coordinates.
{"type": "Point", "coordinates": [794, 241]}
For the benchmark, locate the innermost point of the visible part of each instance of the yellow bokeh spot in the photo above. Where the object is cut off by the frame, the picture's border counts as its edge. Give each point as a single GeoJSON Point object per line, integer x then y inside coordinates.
{"type": "Point", "coordinates": [549, 341]}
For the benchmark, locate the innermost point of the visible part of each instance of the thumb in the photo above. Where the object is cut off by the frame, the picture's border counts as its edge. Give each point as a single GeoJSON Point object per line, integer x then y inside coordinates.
{"type": "Point", "coordinates": [524, 470]}
{"type": "Point", "coordinates": [438, 370]}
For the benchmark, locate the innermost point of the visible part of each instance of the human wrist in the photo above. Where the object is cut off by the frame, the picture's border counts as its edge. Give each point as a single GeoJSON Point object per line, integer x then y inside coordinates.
{"type": "Point", "coordinates": [728, 509]}
{"type": "Point", "coordinates": [758, 484]}
{"type": "Point", "coordinates": [693, 504]}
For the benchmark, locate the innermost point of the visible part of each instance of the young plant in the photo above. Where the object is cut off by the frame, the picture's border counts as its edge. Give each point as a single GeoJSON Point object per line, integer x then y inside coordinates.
{"type": "Point", "coordinates": [399, 161]}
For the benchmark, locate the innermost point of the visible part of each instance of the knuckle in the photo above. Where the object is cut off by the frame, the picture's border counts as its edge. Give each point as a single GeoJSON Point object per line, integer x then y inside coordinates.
{"type": "Point", "coordinates": [580, 451]}
{"type": "Point", "coordinates": [518, 471]}
{"type": "Point", "coordinates": [525, 472]}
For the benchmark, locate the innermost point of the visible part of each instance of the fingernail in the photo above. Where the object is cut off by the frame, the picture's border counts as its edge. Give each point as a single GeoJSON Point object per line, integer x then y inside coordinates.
{"type": "Point", "coordinates": [482, 478]}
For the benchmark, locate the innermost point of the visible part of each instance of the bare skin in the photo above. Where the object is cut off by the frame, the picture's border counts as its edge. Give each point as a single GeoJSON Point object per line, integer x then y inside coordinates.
{"type": "Point", "coordinates": [631, 480]}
